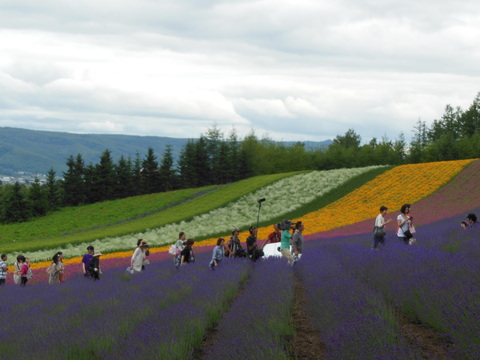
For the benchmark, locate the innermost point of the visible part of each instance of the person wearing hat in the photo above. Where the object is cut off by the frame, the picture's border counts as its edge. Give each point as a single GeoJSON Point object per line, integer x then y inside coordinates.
{"type": "Point", "coordinates": [234, 247]}
{"type": "Point", "coordinates": [138, 256]}
{"type": "Point", "coordinates": [252, 251]}
{"type": "Point", "coordinates": [94, 265]}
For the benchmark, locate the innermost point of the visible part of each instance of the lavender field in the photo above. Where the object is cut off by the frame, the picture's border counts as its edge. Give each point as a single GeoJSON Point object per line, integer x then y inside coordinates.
{"type": "Point", "coordinates": [355, 299]}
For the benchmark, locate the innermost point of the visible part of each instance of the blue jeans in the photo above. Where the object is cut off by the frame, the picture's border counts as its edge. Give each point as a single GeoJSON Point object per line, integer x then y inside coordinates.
{"type": "Point", "coordinates": [378, 240]}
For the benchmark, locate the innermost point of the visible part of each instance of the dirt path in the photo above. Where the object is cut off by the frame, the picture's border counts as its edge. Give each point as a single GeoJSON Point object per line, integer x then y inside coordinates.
{"type": "Point", "coordinates": [307, 343]}
{"type": "Point", "coordinates": [425, 340]}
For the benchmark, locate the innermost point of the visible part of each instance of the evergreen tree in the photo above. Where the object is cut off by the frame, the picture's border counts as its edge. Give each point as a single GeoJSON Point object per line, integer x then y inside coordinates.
{"type": "Point", "coordinates": [186, 166]}
{"type": "Point", "coordinates": [16, 207]}
{"type": "Point", "coordinates": [73, 181]}
{"type": "Point", "coordinates": [104, 186]}
{"type": "Point", "coordinates": [37, 199]}
{"type": "Point", "coordinates": [150, 173]}
{"type": "Point", "coordinates": [202, 163]}
{"type": "Point", "coordinates": [53, 191]}
{"type": "Point", "coordinates": [167, 172]}
{"type": "Point", "coordinates": [124, 178]}
{"type": "Point", "coordinates": [470, 119]}
{"type": "Point", "coordinates": [137, 175]}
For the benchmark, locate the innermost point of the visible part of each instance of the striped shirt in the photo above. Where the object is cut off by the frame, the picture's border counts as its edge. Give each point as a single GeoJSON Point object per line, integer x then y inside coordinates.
{"type": "Point", "coordinates": [3, 273]}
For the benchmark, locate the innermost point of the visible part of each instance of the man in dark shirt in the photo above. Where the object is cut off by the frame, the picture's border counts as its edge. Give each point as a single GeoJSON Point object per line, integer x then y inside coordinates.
{"type": "Point", "coordinates": [252, 250]}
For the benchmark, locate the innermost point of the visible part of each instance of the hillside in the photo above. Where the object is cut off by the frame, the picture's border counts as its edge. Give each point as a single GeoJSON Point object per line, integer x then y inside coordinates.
{"type": "Point", "coordinates": [38, 151]}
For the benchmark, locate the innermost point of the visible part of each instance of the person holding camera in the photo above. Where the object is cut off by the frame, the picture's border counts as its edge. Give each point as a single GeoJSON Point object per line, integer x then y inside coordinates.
{"type": "Point", "coordinates": [187, 255]}
{"type": "Point", "coordinates": [286, 226]}
{"type": "Point", "coordinates": [138, 257]}
{"type": "Point", "coordinates": [252, 251]}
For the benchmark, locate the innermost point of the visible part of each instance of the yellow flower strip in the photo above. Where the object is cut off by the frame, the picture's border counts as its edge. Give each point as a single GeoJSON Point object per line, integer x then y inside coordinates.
{"type": "Point", "coordinates": [402, 184]}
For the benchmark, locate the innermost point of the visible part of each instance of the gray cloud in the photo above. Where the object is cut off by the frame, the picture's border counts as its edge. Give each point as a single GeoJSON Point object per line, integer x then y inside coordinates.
{"type": "Point", "coordinates": [174, 68]}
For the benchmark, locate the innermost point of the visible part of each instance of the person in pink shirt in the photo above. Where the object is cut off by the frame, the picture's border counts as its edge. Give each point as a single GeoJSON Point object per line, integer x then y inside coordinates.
{"type": "Point", "coordinates": [23, 265]}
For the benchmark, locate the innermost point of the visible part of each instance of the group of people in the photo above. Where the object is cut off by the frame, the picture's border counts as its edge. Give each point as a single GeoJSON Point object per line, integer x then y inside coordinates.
{"type": "Point", "coordinates": [405, 228]}
{"type": "Point", "coordinates": [22, 272]}
{"type": "Point", "coordinates": [291, 245]}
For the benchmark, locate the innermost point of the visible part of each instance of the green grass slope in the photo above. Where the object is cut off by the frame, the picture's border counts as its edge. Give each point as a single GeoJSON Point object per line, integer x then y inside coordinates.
{"type": "Point", "coordinates": [51, 237]}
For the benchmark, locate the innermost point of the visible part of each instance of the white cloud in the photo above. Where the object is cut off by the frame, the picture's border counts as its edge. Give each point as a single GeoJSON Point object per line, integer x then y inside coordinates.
{"type": "Point", "coordinates": [174, 68]}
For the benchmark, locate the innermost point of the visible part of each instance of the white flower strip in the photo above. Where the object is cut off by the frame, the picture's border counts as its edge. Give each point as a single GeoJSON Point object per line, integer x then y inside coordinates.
{"type": "Point", "coordinates": [281, 197]}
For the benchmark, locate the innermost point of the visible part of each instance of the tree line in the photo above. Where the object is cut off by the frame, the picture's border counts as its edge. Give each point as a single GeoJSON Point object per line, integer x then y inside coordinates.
{"type": "Point", "coordinates": [218, 159]}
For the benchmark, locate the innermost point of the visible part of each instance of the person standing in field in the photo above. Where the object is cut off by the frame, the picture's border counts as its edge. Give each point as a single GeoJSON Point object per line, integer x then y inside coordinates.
{"type": "Point", "coordinates": [179, 245]}
{"type": "Point", "coordinates": [3, 269]}
{"type": "Point", "coordinates": [404, 221]}
{"type": "Point", "coordinates": [61, 275]}
{"type": "Point", "coordinates": [86, 260]}
{"type": "Point", "coordinates": [285, 242]}
{"type": "Point", "coordinates": [217, 255]}
{"type": "Point", "coordinates": [379, 235]}
{"type": "Point", "coordinates": [138, 256]}
{"type": "Point", "coordinates": [94, 266]}
{"type": "Point", "coordinates": [55, 269]}
{"type": "Point", "coordinates": [297, 241]}
{"type": "Point", "coordinates": [24, 269]}
{"type": "Point", "coordinates": [187, 255]}
{"type": "Point", "coordinates": [18, 268]}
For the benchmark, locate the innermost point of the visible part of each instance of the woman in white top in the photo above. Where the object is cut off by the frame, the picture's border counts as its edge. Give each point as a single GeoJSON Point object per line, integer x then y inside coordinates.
{"type": "Point", "coordinates": [380, 224]}
{"type": "Point", "coordinates": [138, 256]}
{"type": "Point", "coordinates": [404, 221]}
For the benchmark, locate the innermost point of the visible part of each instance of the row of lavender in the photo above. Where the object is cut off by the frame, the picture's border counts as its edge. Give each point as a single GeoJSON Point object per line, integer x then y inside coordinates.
{"type": "Point", "coordinates": [434, 283]}
{"type": "Point", "coordinates": [353, 320]}
{"type": "Point", "coordinates": [161, 313]}
{"type": "Point", "coordinates": [259, 321]}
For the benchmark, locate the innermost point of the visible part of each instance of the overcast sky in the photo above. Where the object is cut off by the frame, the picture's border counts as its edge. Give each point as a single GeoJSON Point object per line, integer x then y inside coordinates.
{"type": "Point", "coordinates": [290, 70]}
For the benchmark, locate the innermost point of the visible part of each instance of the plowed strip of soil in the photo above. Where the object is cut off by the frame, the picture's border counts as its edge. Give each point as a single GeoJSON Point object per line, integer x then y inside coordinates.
{"type": "Point", "coordinates": [427, 341]}
{"type": "Point", "coordinates": [307, 343]}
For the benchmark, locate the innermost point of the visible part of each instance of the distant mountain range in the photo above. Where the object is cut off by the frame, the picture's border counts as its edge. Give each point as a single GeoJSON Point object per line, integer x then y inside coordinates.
{"type": "Point", "coordinates": [36, 151]}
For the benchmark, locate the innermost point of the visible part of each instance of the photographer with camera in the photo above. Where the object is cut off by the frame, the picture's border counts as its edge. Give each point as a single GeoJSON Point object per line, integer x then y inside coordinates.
{"type": "Point", "coordinates": [285, 226]}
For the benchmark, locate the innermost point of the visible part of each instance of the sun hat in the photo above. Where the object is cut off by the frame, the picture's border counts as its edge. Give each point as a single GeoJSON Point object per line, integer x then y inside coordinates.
{"type": "Point", "coordinates": [97, 253]}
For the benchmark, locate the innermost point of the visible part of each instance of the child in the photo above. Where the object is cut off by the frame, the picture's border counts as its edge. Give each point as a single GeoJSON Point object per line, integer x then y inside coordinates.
{"type": "Point", "coordinates": [94, 265]}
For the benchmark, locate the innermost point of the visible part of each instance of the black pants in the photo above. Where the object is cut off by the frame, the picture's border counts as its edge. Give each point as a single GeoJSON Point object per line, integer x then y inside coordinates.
{"type": "Point", "coordinates": [2, 282]}
{"type": "Point", "coordinates": [23, 281]}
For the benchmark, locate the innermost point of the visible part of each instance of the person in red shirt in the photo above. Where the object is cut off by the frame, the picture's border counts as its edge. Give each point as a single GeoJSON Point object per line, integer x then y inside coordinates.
{"type": "Point", "coordinates": [274, 237]}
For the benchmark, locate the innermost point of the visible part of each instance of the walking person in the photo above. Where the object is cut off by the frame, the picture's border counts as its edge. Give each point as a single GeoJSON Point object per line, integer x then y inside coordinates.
{"type": "Point", "coordinates": [18, 268]}
{"type": "Point", "coordinates": [285, 241]}
{"type": "Point", "coordinates": [297, 241]}
{"type": "Point", "coordinates": [94, 266]}
{"type": "Point", "coordinates": [404, 221]}
{"type": "Point", "coordinates": [379, 228]}
{"type": "Point", "coordinates": [86, 260]}
{"type": "Point", "coordinates": [187, 255]}
{"type": "Point", "coordinates": [3, 269]}
{"type": "Point", "coordinates": [179, 245]}
{"type": "Point", "coordinates": [61, 274]}
{"type": "Point", "coordinates": [217, 254]}
{"type": "Point", "coordinates": [55, 269]}
{"type": "Point", "coordinates": [138, 256]}
{"type": "Point", "coordinates": [25, 272]}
